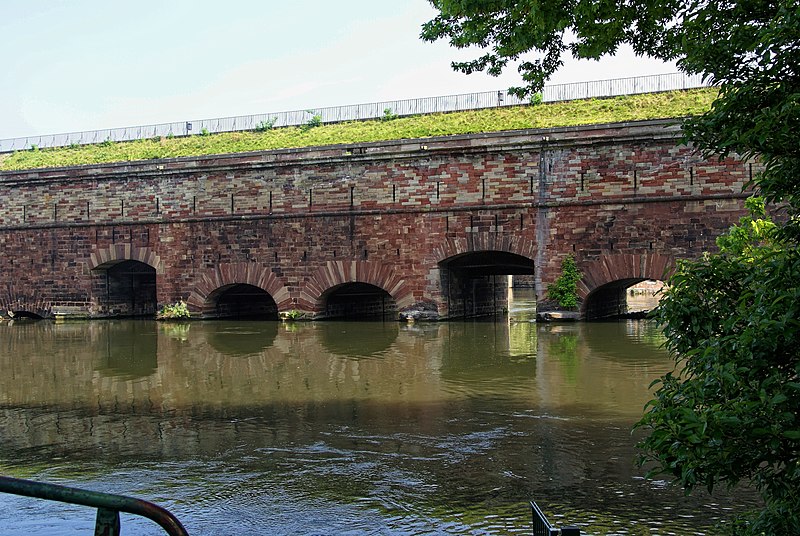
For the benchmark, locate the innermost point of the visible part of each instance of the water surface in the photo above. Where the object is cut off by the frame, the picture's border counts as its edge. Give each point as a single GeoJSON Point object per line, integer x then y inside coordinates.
{"type": "Point", "coordinates": [339, 427]}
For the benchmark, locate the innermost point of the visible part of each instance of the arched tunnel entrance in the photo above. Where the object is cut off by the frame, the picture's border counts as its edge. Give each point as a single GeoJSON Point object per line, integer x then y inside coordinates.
{"type": "Point", "coordinates": [242, 301]}
{"type": "Point", "coordinates": [126, 288]}
{"type": "Point", "coordinates": [624, 298]}
{"type": "Point", "coordinates": [359, 301]}
{"type": "Point", "coordinates": [476, 284]}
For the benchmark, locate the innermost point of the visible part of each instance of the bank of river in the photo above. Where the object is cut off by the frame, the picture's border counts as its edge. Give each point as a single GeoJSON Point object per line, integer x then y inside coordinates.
{"type": "Point", "coordinates": [339, 427]}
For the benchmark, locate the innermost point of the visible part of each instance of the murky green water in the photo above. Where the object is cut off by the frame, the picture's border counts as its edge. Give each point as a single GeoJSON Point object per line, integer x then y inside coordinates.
{"type": "Point", "coordinates": [338, 428]}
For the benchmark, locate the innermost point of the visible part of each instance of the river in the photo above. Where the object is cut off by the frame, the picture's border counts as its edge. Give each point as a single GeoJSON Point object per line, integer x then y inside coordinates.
{"type": "Point", "coordinates": [340, 427]}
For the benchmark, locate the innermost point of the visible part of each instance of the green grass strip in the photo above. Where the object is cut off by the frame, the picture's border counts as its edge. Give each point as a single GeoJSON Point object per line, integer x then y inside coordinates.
{"type": "Point", "coordinates": [561, 114]}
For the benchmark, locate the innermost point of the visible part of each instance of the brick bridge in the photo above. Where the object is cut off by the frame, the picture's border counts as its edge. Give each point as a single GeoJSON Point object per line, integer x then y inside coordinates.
{"type": "Point", "coordinates": [425, 228]}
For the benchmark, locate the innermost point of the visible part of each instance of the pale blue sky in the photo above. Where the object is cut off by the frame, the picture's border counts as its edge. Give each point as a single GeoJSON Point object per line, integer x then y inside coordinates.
{"type": "Point", "coordinates": [72, 65]}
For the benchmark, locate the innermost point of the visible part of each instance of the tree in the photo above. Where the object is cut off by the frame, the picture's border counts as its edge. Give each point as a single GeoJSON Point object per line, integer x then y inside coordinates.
{"type": "Point", "coordinates": [730, 413]}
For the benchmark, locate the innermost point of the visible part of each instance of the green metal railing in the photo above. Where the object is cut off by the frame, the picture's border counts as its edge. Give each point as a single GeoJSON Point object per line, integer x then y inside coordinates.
{"type": "Point", "coordinates": [108, 505]}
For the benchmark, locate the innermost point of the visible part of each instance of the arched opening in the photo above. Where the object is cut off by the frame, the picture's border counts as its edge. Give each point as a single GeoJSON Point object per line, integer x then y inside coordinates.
{"type": "Point", "coordinates": [243, 302]}
{"type": "Point", "coordinates": [23, 315]}
{"type": "Point", "coordinates": [476, 284]}
{"type": "Point", "coordinates": [359, 301]}
{"type": "Point", "coordinates": [624, 298]}
{"type": "Point", "coordinates": [127, 288]}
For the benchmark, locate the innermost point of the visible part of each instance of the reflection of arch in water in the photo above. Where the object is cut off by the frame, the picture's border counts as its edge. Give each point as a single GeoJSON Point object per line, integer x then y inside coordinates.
{"type": "Point", "coordinates": [624, 341]}
{"type": "Point", "coordinates": [605, 281]}
{"type": "Point", "coordinates": [238, 290]}
{"type": "Point", "coordinates": [239, 339]}
{"type": "Point", "coordinates": [357, 339]}
{"type": "Point", "coordinates": [129, 349]}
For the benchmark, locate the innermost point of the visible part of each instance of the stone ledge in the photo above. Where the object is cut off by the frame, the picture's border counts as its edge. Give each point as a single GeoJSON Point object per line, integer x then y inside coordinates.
{"type": "Point", "coordinates": [558, 316]}
{"type": "Point", "coordinates": [71, 311]}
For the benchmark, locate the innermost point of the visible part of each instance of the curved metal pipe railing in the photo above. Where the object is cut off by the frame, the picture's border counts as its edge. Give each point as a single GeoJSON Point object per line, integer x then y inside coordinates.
{"type": "Point", "coordinates": [108, 505]}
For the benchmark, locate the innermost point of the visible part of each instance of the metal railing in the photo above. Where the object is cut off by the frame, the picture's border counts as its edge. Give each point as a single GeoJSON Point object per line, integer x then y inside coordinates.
{"type": "Point", "coordinates": [542, 527]}
{"type": "Point", "coordinates": [356, 112]}
{"type": "Point", "coordinates": [108, 505]}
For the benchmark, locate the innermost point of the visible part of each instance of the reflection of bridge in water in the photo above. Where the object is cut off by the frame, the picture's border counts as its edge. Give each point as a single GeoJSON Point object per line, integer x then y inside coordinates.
{"type": "Point", "coordinates": [448, 409]}
{"type": "Point", "coordinates": [137, 366]}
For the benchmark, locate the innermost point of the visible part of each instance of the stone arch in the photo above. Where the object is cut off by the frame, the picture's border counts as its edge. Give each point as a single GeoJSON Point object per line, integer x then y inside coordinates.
{"type": "Point", "coordinates": [124, 280]}
{"type": "Point", "coordinates": [224, 275]}
{"type": "Point", "coordinates": [628, 268]}
{"type": "Point", "coordinates": [472, 271]}
{"type": "Point", "coordinates": [485, 241]}
{"type": "Point", "coordinates": [125, 252]}
{"type": "Point", "coordinates": [337, 273]}
{"type": "Point", "coordinates": [24, 306]}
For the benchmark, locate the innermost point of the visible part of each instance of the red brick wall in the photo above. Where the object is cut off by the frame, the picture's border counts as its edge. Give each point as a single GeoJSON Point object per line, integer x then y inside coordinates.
{"type": "Point", "coordinates": [625, 199]}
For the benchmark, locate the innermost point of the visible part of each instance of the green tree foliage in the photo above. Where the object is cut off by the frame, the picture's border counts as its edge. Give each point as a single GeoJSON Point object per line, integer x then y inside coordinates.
{"type": "Point", "coordinates": [748, 48]}
{"type": "Point", "coordinates": [729, 413]}
{"type": "Point", "coordinates": [564, 290]}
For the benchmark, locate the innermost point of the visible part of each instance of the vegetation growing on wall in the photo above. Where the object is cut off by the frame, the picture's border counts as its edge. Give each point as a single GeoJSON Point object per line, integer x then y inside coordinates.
{"type": "Point", "coordinates": [564, 290]}
{"type": "Point", "coordinates": [570, 113]}
{"type": "Point", "coordinates": [173, 311]}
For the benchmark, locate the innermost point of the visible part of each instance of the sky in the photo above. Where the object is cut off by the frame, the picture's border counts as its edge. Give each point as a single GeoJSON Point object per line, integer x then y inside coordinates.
{"type": "Point", "coordinates": [75, 65]}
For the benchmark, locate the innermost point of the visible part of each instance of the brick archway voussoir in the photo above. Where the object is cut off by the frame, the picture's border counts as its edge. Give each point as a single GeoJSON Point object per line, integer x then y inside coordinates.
{"type": "Point", "coordinates": [125, 252]}
{"type": "Point", "coordinates": [335, 273]}
{"type": "Point", "coordinates": [616, 267]}
{"type": "Point", "coordinates": [486, 241]}
{"type": "Point", "coordinates": [211, 280]}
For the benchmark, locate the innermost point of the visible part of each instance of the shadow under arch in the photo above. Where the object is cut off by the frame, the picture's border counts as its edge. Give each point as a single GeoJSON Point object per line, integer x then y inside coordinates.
{"type": "Point", "coordinates": [125, 288]}
{"type": "Point", "coordinates": [240, 278]}
{"type": "Point", "coordinates": [475, 283]}
{"type": "Point", "coordinates": [241, 301]}
{"type": "Point", "coordinates": [23, 315]}
{"type": "Point", "coordinates": [606, 280]}
{"type": "Point", "coordinates": [358, 301]}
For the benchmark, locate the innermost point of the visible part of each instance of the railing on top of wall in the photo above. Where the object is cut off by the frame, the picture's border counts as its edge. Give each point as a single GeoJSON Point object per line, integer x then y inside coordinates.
{"type": "Point", "coordinates": [355, 112]}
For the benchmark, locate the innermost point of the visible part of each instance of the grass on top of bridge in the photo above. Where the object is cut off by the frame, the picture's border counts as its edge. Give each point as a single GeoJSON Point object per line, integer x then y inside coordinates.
{"type": "Point", "coordinates": [560, 114]}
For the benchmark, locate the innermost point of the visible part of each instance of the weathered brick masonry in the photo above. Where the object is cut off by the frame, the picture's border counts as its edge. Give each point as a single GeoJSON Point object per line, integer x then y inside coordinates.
{"type": "Point", "coordinates": [431, 222]}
